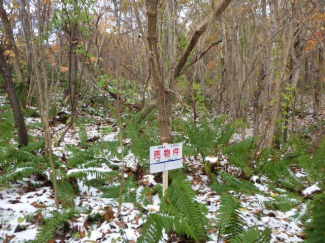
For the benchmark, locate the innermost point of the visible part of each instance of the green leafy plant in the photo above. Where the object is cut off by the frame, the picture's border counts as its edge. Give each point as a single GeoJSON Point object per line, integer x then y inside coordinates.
{"type": "Point", "coordinates": [179, 211]}
{"type": "Point", "coordinates": [23, 162]}
{"type": "Point", "coordinates": [49, 229]}
{"type": "Point", "coordinates": [240, 154]}
{"type": "Point", "coordinates": [315, 229]}
{"type": "Point", "coordinates": [230, 183]}
{"type": "Point", "coordinates": [231, 225]}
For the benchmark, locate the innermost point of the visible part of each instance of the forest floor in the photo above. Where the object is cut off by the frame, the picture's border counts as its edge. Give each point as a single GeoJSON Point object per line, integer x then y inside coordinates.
{"type": "Point", "coordinates": [25, 203]}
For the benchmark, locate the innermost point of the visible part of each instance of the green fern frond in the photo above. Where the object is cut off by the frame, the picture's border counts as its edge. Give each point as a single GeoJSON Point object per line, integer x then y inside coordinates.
{"type": "Point", "coordinates": [253, 235]}
{"type": "Point", "coordinates": [66, 193]}
{"type": "Point", "coordinates": [48, 230]}
{"type": "Point", "coordinates": [179, 211]}
{"type": "Point", "coordinates": [142, 195]}
{"type": "Point", "coordinates": [129, 190]}
{"type": "Point", "coordinates": [227, 211]}
{"type": "Point", "coordinates": [231, 183]}
{"type": "Point", "coordinates": [282, 202]}
{"type": "Point", "coordinates": [152, 230]}
{"type": "Point", "coordinates": [239, 154]}
{"type": "Point", "coordinates": [315, 229]}
{"type": "Point", "coordinates": [18, 173]}
{"type": "Point", "coordinates": [182, 197]}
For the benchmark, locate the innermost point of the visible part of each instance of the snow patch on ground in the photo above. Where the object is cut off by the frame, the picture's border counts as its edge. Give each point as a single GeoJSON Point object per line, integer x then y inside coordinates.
{"type": "Point", "coordinates": [312, 189]}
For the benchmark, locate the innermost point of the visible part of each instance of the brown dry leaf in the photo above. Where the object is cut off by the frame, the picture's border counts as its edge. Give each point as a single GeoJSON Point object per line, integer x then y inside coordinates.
{"type": "Point", "coordinates": [149, 197]}
{"type": "Point", "coordinates": [39, 216]}
{"type": "Point", "coordinates": [86, 224]}
{"type": "Point", "coordinates": [211, 64]}
{"type": "Point", "coordinates": [14, 201]}
{"type": "Point", "coordinates": [74, 220]}
{"type": "Point", "coordinates": [109, 214]}
{"type": "Point", "coordinates": [139, 230]}
{"type": "Point", "coordinates": [64, 69]}
{"type": "Point", "coordinates": [82, 233]}
{"type": "Point", "coordinates": [9, 53]}
{"type": "Point", "coordinates": [137, 217]}
{"type": "Point", "coordinates": [8, 238]}
{"type": "Point", "coordinates": [93, 59]}
{"type": "Point", "coordinates": [36, 205]}
{"type": "Point", "coordinates": [257, 211]}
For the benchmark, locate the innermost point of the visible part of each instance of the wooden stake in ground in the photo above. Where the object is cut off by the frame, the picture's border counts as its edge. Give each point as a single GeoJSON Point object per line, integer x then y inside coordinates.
{"type": "Point", "coordinates": [165, 181]}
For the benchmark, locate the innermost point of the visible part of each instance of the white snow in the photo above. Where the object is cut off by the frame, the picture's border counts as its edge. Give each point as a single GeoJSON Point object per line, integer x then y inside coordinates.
{"type": "Point", "coordinates": [310, 190]}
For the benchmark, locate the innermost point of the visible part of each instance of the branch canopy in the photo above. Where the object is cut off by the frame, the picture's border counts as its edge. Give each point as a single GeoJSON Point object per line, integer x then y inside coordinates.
{"type": "Point", "coordinates": [200, 29]}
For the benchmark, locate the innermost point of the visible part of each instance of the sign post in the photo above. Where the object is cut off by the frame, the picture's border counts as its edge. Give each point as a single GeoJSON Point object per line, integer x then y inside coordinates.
{"type": "Point", "coordinates": [166, 157]}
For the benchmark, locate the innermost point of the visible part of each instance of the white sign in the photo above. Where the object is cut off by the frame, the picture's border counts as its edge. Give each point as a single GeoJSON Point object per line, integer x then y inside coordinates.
{"type": "Point", "coordinates": [166, 157]}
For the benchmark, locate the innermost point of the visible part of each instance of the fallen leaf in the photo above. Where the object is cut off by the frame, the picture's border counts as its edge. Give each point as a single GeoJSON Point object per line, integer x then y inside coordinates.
{"type": "Point", "coordinates": [137, 217]}
{"type": "Point", "coordinates": [8, 238]}
{"type": "Point", "coordinates": [36, 205]}
{"type": "Point", "coordinates": [82, 233]}
{"type": "Point", "coordinates": [39, 216]}
{"type": "Point", "coordinates": [109, 214]}
{"type": "Point", "coordinates": [243, 209]}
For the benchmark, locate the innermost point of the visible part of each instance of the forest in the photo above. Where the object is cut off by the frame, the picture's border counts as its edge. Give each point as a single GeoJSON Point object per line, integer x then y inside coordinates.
{"type": "Point", "coordinates": [233, 89]}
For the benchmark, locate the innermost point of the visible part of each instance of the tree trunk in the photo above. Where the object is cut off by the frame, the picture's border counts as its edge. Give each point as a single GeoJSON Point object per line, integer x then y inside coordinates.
{"type": "Point", "coordinates": [163, 99]}
{"type": "Point", "coordinates": [10, 41]}
{"type": "Point", "coordinates": [11, 45]}
{"type": "Point", "coordinates": [14, 102]}
{"type": "Point", "coordinates": [163, 89]}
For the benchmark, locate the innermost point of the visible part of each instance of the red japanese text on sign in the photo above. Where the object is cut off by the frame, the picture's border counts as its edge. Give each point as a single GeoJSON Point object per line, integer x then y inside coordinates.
{"type": "Point", "coordinates": [156, 154]}
{"type": "Point", "coordinates": [175, 151]}
{"type": "Point", "coordinates": [166, 153]}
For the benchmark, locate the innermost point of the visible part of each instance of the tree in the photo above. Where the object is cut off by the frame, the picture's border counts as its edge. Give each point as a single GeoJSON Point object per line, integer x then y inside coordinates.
{"type": "Point", "coordinates": [165, 87]}
{"type": "Point", "coordinates": [5, 71]}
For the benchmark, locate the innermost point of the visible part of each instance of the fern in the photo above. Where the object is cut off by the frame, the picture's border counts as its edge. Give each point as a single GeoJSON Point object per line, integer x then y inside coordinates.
{"type": "Point", "coordinates": [277, 168]}
{"type": "Point", "coordinates": [152, 231]}
{"type": "Point", "coordinates": [82, 134]}
{"type": "Point", "coordinates": [230, 183]}
{"type": "Point", "coordinates": [142, 195]}
{"type": "Point", "coordinates": [129, 190]}
{"type": "Point", "coordinates": [239, 154]}
{"type": "Point", "coordinates": [6, 132]}
{"type": "Point", "coordinates": [22, 163]}
{"type": "Point", "coordinates": [314, 164]}
{"type": "Point", "coordinates": [179, 211]}
{"type": "Point", "coordinates": [205, 136]}
{"type": "Point", "coordinates": [253, 235]}
{"type": "Point", "coordinates": [182, 198]}
{"type": "Point", "coordinates": [228, 210]}
{"type": "Point", "coordinates": [143, 134]}
{"type": "Point", "coordinates": [283, 203]}
{"type": "Point", "coordinates": [232, 226]}
{"type": "Point", "coordinates": [48, 230]}
{"type": "Point", "coordinates": [315, 229]}
{"type": "Point", "coordinates": [66, 193]}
